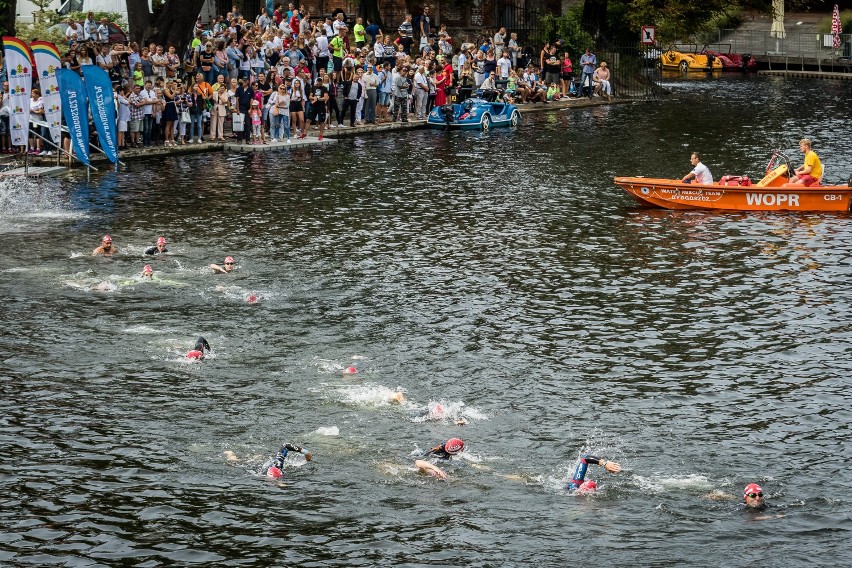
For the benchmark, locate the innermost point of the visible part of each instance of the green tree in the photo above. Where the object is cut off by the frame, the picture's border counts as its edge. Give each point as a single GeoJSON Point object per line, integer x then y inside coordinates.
{"type": "Point", "coordinates": [7, 16]}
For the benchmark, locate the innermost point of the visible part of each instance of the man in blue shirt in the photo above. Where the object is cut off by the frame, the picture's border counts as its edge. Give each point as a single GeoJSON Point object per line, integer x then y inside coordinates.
{"type": "Point", "coordinates": [589, 62]}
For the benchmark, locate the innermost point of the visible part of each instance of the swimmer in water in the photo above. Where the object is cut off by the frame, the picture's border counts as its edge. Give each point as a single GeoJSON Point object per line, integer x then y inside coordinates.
{"type": "Point", "coordinates": [274, 470]}
{"type": "Point", "coordinates": [106, 248]}
{"type": "Point", "coordinates": [227, 267]}
{"type": "Point", "coordinates": [578, 482]}
{"type": "Point", "coordinates": [147, 272]}
{"type": "Point", "coordinates": [753, 497]}
{"type": "Point", "coordinates": [197, 353]}
{"type": "Point", "coordinates": [438, 413]}
{"type": "Point", "coordinates": [159, 248]}
{"type": "Point", "coordinates": [445, 451]}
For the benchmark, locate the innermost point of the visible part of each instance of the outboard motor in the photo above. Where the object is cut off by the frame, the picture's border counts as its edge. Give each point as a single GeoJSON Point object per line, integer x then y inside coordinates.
{"type": "Point", "coordinates": [448, 112]}
{"type": "Point", "coordinates": [850, 180]}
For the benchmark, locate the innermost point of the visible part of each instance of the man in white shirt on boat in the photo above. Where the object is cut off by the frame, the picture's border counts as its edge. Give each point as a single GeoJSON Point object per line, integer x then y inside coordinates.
{"type": "Point", "coordinates": [699, 171]}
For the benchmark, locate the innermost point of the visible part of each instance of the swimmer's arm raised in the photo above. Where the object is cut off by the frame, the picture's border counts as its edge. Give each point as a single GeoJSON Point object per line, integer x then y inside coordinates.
{"type": "Point", "coordinates": [292, 448]}
{"type": "Point", "coordinates": [609, 465]}
{"type": "Point", "coordinates": [217, 268]}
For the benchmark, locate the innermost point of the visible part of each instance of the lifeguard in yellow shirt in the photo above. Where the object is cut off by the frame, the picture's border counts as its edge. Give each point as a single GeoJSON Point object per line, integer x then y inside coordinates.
{"type": "Point", "coordinates": [810, 172]}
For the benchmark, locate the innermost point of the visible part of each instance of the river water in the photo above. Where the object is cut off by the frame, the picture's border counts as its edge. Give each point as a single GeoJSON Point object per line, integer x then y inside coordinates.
{"type": "Point", "coordinates": [502, 276]}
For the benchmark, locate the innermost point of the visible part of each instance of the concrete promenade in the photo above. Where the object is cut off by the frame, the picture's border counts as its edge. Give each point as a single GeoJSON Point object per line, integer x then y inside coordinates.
{"type": "Point", "coordinates": [330, 136]}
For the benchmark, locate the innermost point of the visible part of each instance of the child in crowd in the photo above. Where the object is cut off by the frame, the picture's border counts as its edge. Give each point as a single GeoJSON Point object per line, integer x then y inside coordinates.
{"type": "Point", "coordinates": [256, 117]}
{"type": "Point", "coordinates": [511, 87]}
{"type": "Point", "coordinates": [552, 92]}
{"type": "Point", "coordinates": [138, 76]}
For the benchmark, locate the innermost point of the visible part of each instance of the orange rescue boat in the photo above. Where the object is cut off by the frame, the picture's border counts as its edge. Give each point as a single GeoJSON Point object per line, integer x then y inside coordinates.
{"type": "Point", "coordinates": [735, 193]}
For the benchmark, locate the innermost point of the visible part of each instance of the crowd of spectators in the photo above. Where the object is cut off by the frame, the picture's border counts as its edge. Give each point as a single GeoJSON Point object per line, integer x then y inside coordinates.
{"type": "Point", "coordinates": [293, 68]}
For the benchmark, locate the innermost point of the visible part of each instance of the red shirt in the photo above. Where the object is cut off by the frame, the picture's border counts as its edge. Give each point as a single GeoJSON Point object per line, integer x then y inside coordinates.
{"type": "Point", "coordinates": [294, 24]}
{"type": "Point", "coordinates": [276, 15]}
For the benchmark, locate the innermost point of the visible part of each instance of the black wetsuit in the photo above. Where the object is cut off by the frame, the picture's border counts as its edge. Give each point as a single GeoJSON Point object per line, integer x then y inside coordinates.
{"type": "Point", "coordinates": [440, 452]}
{"type": "Point", "coordinates": [282, 454]}
{"type": "Point", "coordinates": [154, 250]}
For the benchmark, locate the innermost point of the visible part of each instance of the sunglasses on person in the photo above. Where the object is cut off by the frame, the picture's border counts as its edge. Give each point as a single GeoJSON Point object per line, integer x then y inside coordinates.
{"type": "Point", "coordinates": [754, 495]}
{"type": "Point", "coordinates": [229, 264]}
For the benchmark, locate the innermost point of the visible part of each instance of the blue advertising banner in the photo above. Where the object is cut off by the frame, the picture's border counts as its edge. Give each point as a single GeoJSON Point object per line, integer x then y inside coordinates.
{"type": "Point", "coordinates": [75, 111]}
{"type": "Point", "coordinates": [102, 105]}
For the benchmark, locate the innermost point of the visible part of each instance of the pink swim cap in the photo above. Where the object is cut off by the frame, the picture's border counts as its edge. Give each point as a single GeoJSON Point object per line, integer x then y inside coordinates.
{"type": "Point", "coordinates": [251, 299]}
{"type": "Point", "coordinates": [454, 446]}
{"type": "Point", "coordinates": [229, 259]}
{"type": "Point", "coordinates": [147, 269]}
{"type": "Point", "coordinates": [195, 354]}
{"type": "Point", "coordinates": [752, 488]}
{"type": "Point", "coordinates": [588, 487]}
{"type": "Point", "coordinates": [106, 239]}
{"type": "Point", "coordinates": [161, 241]}
{"type": "Point", "coordinates": [274, 472]}
{"type": "Point", "coordinates": [350, 370]}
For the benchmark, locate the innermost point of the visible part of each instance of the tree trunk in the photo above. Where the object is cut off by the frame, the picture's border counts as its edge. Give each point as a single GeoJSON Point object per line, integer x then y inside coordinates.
{"type": "Point", "coordinates": [369, 10]}
{"type": "Point", "coordinates": [594, 17]}
{"type": "Point", "coordinates": [7, 17]}
{"type": "Point", "coordinates": [138, 20]}
{"type": "Point", "coordinates": [174, 25]}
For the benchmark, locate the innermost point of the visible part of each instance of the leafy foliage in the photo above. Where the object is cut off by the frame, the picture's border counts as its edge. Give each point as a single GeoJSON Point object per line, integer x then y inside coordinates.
{"type": "Point", "coordinates": [48, 30]}
{"type": "Point", "coordinates": [41, 31]}
{"type": "Point", "coordinates": [567, 27]}
{"type": "Point", "coordinates": [115, 17]}
{"type": "Point", "coordinates": [845, 21]}
{"type": "Point", "coordinates": [7, 17]}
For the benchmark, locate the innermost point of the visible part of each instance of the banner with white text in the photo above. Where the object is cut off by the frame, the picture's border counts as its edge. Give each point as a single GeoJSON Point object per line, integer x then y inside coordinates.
{"type": "Point", "coordinates": [47, 61]}
{"type": "Point", "coordinates": [19, 68]}
{"type": "Point", "coordinates": [102, 105]}
{"type": "Point", "coordinates": [75, 109]}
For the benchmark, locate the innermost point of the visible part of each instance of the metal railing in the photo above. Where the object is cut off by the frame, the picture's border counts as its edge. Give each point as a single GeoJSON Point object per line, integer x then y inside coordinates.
{"type": "Point", "coordinates": [795, 45]}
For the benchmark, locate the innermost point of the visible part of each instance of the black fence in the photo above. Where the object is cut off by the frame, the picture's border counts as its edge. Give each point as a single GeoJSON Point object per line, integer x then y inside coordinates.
{"type": "Point", "coordinates": [631, 64]}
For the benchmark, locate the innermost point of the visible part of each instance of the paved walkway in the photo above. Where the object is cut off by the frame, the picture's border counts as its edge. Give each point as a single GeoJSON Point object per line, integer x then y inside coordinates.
{"type": "Point", "coordinates": [330, 136]}
{"type": "Point", "coordinates": [804, 38]}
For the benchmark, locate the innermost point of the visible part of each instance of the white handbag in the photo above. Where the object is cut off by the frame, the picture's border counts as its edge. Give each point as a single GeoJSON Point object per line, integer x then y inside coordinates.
{"type": "Point", "coordinates": [238, 122]}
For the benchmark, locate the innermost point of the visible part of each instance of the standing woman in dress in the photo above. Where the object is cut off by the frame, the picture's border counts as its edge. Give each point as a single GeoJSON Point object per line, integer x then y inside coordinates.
{"type": "Point", "coordinates": [441, 85]}
{"type": "Point", "coordinates": [170, 113]}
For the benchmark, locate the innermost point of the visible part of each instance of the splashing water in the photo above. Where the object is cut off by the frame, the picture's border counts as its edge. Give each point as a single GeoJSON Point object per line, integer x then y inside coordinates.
{"type": "Point", "coordinates": [25, 200]}
{"type": "Point", "coordinates": [370, 395]}
{"type": "Point", "coordinates": [448, 411]}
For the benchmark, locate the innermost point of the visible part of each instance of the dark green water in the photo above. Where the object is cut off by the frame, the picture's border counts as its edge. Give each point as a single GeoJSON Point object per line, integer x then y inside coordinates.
{"type": "Point", "coordinates": [502, 275]}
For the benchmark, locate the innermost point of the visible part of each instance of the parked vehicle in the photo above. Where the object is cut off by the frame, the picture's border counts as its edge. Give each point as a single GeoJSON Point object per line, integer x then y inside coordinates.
{"type": "Point", "coordinates": [688, 58]}
{"type": "Point", "coordinates": [730, 61]}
